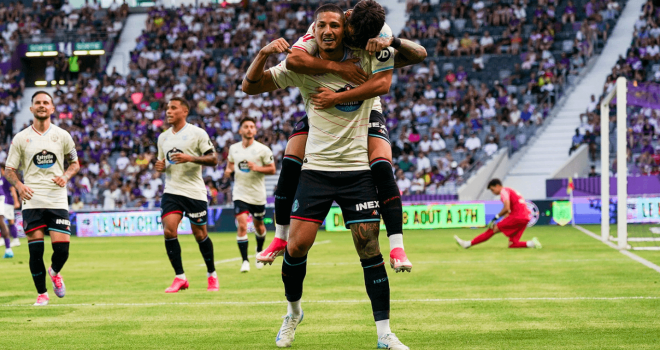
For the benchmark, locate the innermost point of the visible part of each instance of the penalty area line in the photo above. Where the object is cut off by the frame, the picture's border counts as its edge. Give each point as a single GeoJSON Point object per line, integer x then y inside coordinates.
{"type": "Point", "coordinates": [353, 301]}
{"type": "Point", "coordinates": [631, 255]}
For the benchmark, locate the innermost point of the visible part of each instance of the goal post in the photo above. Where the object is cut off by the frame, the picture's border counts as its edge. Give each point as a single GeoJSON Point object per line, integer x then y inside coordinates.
{"type": "Point", "coordinates": [621, 164]}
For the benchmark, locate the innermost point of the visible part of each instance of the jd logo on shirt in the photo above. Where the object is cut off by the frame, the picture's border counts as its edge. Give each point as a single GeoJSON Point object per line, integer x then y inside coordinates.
{"type": "Point", "coordinates": [171, 152]}
{"type": "Point", "coordinates": [383, 56]}
{"type": "Point", "coordinates": [44, 159]}
{"type": "Point", "coordinates": [244, 167]}
{"type": "Point", "coordinates": [348, 106]}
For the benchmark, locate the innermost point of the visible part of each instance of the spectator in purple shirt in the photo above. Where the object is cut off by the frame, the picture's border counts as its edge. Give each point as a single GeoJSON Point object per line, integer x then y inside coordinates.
{"type": "Point", "coordinates": [569, 13]}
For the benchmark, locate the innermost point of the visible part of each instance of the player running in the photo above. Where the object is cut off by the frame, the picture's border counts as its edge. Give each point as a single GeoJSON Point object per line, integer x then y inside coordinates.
{"type": "Point", "coordinates": [40, 151]}
{"type": "Point", "coordinates": [11, 204]}
{"type": "Point", "coordinates": [336, 168]}
{"type": "Point", "coordinates": [364, 22]}
{"type": "Point", "coordinates": [182, 150]}
{"type": "Point", "coordinates": [249, 160]}
{"type": "Point", "coordinates": [512, 226]}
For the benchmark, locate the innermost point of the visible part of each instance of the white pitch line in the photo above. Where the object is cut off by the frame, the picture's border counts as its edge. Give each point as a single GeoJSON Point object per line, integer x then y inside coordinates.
{"type": "Point", "coordinates": [252, 256]}
{"type": "Point", "coordinates": [354, 301]}
{"type": "Point", "coordinates": [633, 256]}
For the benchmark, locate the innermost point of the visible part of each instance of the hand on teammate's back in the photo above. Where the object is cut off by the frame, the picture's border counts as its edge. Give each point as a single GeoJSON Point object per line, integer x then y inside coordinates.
{"type": "Point", "coordinates": [160, 165]}
{"type": "Point", "coordinates": [324, 99]}
{"type": "Point", "coordinates": [350, 71]}
{"type": "Point", "coordinates": [276, 46]}
{"type": "Point", "coordinates": [378, 44]}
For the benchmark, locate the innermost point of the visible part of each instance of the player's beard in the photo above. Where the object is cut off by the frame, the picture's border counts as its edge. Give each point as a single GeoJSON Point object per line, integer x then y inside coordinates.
{"type": "Point", "coordinates": [40, 118]}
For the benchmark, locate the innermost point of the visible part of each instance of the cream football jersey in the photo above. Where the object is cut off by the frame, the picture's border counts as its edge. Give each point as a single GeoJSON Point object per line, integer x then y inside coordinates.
{"type": "Point", "coordinates": [184, 179]}
{"type": "Point", "coordinates": [337, 139]}
{"type": "Point", "coordinates": [308, 44]}
{"type": "Point", "coordinates": [249, 186]}
{"type": "Point", "coordinates": [41, 157]}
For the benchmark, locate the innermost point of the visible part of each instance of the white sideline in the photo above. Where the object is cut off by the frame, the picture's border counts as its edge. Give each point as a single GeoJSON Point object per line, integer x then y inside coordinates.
{"type": "Point", "coordinates": [633, 256]}
{"type": "Point", "coordinates": [252, 256]}
{"type": "Point", "coordinates": [355, 301]}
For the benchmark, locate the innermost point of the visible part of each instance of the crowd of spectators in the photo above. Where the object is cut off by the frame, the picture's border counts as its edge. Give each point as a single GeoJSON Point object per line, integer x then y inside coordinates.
{"type": "Point", "coordinates": [641, 65]}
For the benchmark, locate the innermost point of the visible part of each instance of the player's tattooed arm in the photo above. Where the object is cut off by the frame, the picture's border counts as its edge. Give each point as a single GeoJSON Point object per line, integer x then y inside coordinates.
{"type": "Point", "coordinates": [257, 80]}
{"type": "Point", "coordinates": [365, 238]}
{"type": "Point", "coordinates": [409, 53]}
{"type": "Point", "coordinates": [23, 191]}
{"type": "Point", "coordinates": [71, 171]}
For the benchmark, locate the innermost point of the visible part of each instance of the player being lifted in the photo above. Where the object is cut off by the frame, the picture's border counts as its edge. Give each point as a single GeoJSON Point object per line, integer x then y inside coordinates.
{"type": "Point", "coordinates": [249, 160]}
{"type": "Point", "coordinates": [182, 151]}
{"type": "Point", "coordinates": [11, 204]}
{"type": "Point", "coordinates": [362, 26]}
{"type": "Point", "coordinates": [513, 225]}
{"type": "Point", "coordinates": [40, 151]}
{"type": "Point", "coordinates": [336, 167]}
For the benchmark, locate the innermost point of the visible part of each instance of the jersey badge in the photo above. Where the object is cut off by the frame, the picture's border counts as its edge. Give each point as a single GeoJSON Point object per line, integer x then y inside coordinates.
{"type": "Point", "coordinates": [53, 138]}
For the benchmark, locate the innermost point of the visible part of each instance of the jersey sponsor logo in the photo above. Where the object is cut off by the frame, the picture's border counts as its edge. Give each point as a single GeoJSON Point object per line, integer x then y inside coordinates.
{"type": "Point", "coordinates": [296, 205]}
{"type": "Point", "coordinates": [348, 106]}
{"type": "Point", "coordinates": [384, 55]}
{"type": "Point", "coordinates": [44, 159]}
{"type": "Point", "coordinates": [367, 205]}
{"type": "Point", "coordinates": [244, 167]}
{"type": "Point", "coordinates": [62, 222]}
{"type": "Point", "coordinates": [197, 215]}
{"type": "Point", "coordinates": [172, 152]}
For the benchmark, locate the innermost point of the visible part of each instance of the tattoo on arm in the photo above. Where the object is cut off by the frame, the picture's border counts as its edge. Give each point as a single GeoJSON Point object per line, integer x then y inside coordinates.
{"type": "Point", "coordinates": [208, 159]}
{"type": "Point", "coordinates": [11, 176]}
{"type": "Point", "coordinates": [409, 53]}
{"type": "Point", "coordinates": [365, 238]}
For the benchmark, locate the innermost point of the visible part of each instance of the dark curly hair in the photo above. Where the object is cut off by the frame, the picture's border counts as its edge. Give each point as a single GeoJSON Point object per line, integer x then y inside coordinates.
{"type": "Point", "coordinates": [366, 20]}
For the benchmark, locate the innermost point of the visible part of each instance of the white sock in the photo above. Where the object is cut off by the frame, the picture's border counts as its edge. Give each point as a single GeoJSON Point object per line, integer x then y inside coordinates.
{"type": "Point", "coordinates": [282, 232]}
{"type": "Point", "coordinates": [383, 328]}
{"type": "Point", "coordinates": [212, 274]}
{"type": "Point", "coordinates": [7, 250]}
{"type": "Point", "coordinates": [181, 276]}
{"type": "Point", "coordinates": [396, 241]}
{"type": "Point", "coordinates": [530, 244]}
{"type": "Point", "coordinates": [294, 308]}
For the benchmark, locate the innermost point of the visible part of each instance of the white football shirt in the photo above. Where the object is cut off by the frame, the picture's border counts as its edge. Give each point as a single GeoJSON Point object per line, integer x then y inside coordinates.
{"type": "Point", "coordinates": [249, 186]}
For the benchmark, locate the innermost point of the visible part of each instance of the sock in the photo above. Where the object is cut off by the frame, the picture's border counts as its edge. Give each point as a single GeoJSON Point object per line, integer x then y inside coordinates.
{"type": "Point", "coordinates": [294, 308]}
{"type": "Point", "coordinates": [287, 185]}
{"type": "Point", "coordinates": [530, 244]}
{"type": "Point", "coordinates": [378, 287]}
{"type": "Point", "coordinates": [13, 231]}
{"type": "Point", "coordinates": [396, 241]}
{"type": "Point", "coordinates": [383, 328]}
{"type": "Point", "coordinates": [391, 209]}
{"type": "Point", "coordinates": [206, 248]}
{"type": "Point", "coordinates": [212, 274]}
{"type": "Point", "coordinates": [260, 241]}
{"type": "Point", "coordinates": [482, 237]}
{"type": "Point", "coordinates": [293, 275]}
{"type": "Point", "coordinates": [60, 256]}
{"type": "Point", "coordinates": [181, 276]}
{"type": "Point", "coordinates": [243, 247]}
{"type": "Point", "coordinates": [173, 249]}
{"type": "Point", "coordinates": [37, 267]}
{"type": "Point", "coordinates": [7, 242]}
{"type": "Point", "coordinates": [282, 232]}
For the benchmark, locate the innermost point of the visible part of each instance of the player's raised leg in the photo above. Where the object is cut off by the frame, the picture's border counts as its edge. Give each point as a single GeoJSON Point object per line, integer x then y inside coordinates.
{"type": "Point", "coordinates": [286, 190]}
{"type": "Point", "coordinates": [389, 197]}
{"type": "Point", "coordinates": [515, 242]}
{"type": "Point", "coordinates": [171, 220]}
{"type": "Point", "coordinates": [206, 248]}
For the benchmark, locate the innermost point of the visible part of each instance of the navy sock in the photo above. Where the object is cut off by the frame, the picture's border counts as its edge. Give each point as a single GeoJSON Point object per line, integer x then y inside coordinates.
{"type": "Point", "coordinates": [243, 247]}
{"type": "Point", "coordinates": [293, 275]}
{"type": "Point", "coordinates": [287, 185]}
{"type": "Point", "coordinates": [260, 242]}
{"type": "Point", "coordinates": [60, 255]}
{"type": "Point", "coordinates": [389, 196]}
{"type": "Point", "coordinates": [378, 287]}
{"type": "Point", "coordinates": [37, 267]}
{"type": "Point", "coordinates": [174, 253]}
{"type": "Point", "coordinates": [206, 248]}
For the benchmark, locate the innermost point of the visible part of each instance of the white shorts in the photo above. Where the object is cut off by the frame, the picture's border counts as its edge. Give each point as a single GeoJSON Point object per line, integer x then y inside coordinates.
{"type": "Point", "coordinates": [2, 209]}
{"type": "Point", "coordinates": [9, 212]}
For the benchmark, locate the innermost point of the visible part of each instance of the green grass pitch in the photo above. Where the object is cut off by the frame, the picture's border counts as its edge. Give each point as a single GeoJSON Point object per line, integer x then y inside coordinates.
{"type": "Point", "coordinates": [575, 293]}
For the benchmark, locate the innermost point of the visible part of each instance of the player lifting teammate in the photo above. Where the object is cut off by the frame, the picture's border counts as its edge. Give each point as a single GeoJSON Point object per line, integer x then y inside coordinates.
{"type": "Point", "coordinates": [364, 22]}
{"type": "Point", "coordinates": [512, 226]}
{"type": "Point", "coordinates": [249, 160]}
{"type": "Point", "coordinates": [40, 151]}
{"type": "Point", "coordinates": [336, 168]}
{"type": "Point", "coordinates": [182, 150]}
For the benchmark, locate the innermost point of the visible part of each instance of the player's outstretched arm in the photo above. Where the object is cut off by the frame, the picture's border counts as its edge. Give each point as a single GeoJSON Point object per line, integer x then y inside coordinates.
{"type": "Point", "coordinates": [407, 52]}
{"type": "Point", "coordinates": [302, 62]}
{"type": "Point", "coordinates": [266, 169]}
{"type": "Point", "coordinates": [257, 80]}
{"type": "Point", "coordinates": [378, 85]}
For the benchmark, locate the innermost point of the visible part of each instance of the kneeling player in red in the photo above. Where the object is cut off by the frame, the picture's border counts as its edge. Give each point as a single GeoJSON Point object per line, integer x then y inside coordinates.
{"type": "Point", "coordinates": [512, 226]}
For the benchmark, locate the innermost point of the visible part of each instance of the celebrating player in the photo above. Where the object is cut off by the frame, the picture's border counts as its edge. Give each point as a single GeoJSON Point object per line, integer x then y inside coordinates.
{"type": "Point", "coordinates": [11, 204]}
{"type": "Point", "coordinates": [364, 22]}
{"type": "Point", "coordinates": [512, 226]}
{"type": "Point", "coordinates": [182, 150]}
{"type": "Point", "coordinates": [40, 151]}
{"type": "Point", "coordinates": [250, 160]}
{"type": "Point", "coordinates": [336, 167]}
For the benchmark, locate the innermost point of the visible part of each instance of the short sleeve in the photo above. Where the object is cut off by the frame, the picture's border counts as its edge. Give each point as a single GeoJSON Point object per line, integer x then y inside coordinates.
{"type": "Point", "coordinates": [504, 195]}
{"type": "Point", "coordinates": [382, 61]}
{"type": "Point", "coordinates": [161, 155]}
{"type": "Point", "coordinates": [204, 143]}
{"type": "Point", "coordinates": [230, 155]}
{"type": "Point", "coordinates": [266, 156]}
{"type": "Point", "coordinates": [15, 154]}
{"type": "Point", "coordinates": [307, 42]}
{"type": "Point", "coordinates": [70, 147]}
{"type": "Point", "coordinates": [284, 78]}
{"type": "Point", "coordinates": [386, 31]}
